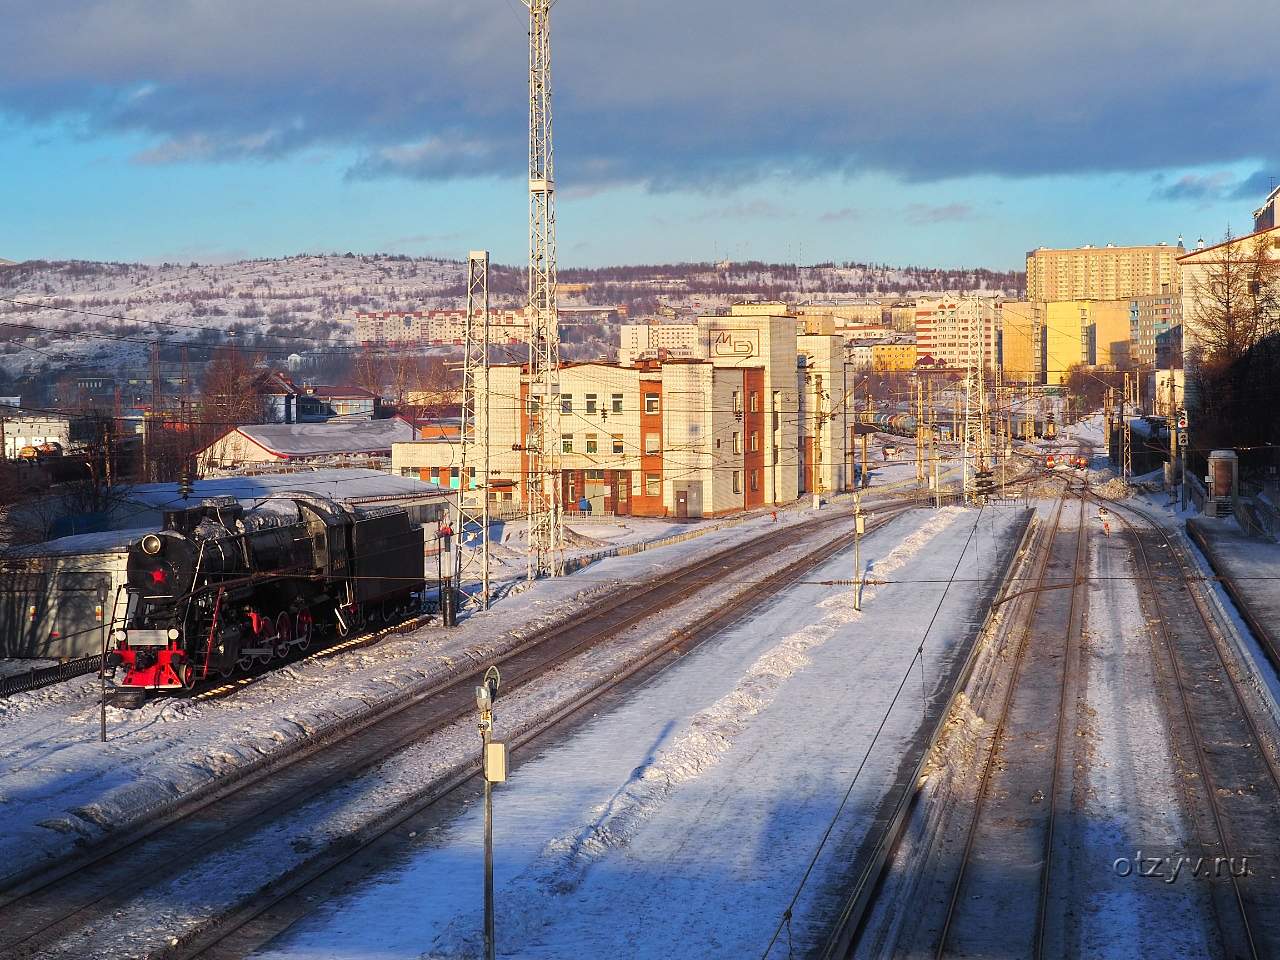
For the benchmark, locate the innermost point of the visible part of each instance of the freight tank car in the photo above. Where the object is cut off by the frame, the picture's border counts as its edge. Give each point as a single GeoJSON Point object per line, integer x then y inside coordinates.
{"type": "Point", "coordinates": [221, 588]}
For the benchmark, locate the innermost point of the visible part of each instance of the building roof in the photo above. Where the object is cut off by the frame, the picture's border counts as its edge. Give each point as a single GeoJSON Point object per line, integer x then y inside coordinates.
{"type": "Point", "coordinates": [1191, 255]}
{"type": "Point", "coordinates": [349, 486]}
{"type": "Point", "coordinates": [279, 383]}
{"type": "Point", "coordinates": [290, 440]}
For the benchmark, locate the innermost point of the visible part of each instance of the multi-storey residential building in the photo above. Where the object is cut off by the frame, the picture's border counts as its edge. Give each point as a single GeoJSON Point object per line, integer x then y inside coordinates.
{"type": "Point", "coordinates": [1066, 337]}
{"type": "Point", "coordinates": [958, 331]}
{"type": "Point", "coordinates": [1102, 273]}
{"type": "Point", "coordinates": [1150, 318]}
{"type": "Point", "coordinates": [651, 341]}
{"type": "Point", "coordinates": [1022, 341]}
{"type": "Point", "coordinates": [1109, 333]}
{"type": "Point", "coordinates": [898, 355]}
{"type": "Point", "coordinates": [435, 326]}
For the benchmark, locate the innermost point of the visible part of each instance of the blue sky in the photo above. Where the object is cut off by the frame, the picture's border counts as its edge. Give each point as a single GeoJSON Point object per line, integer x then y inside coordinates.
{"type": "Point", "coordinates": [907, 133]}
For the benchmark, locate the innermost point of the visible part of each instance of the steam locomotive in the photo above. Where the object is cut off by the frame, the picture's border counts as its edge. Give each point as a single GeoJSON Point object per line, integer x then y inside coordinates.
{"type": "Point", "coordinates": [222, 587]}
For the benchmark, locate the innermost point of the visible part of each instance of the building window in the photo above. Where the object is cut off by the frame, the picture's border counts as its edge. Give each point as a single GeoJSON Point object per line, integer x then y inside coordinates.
{"type": "Point", "coordinates": [737, 442]}
{"type": "Point", "coordinates": [617, 403]}
{"type": "Point", "coordinates": [566, 403]}
{"type": "Point", "coordinates": [617, 443]}
{"type": "Point", "coordinates": [650, 403]}
{"type": "Point", "coordinates": [755, 401]}
{"type": "Point", "coordinates": [737, 481]}
{"type": "Point", "coordinates": [652, 443]}
{"type": "Point", "coordinates": [652, 485]}
{"type": "Point", "coordinates": [566, 443]}
{"type": "Point", "coordinates": [591, 443]}
{"type": "Point", "coordinates": [755, 480]}
{"type": "Point", "coordinates": [595, 474]}
{"type": "Point", "coordinates": [737, 401]}
{"type": "Point", "coordinates": [755, 441]}
{"type": "Point", "coordinates": [591, 403]}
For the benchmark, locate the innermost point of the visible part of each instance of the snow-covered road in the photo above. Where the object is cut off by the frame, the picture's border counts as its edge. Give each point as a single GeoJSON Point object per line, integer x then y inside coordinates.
{"type": "Point", "coordinates": [680, 821]}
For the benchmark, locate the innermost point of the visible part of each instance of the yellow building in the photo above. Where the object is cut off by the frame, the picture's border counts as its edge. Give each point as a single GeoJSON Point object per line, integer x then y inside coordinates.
{"type": "Point", "coordinates": [893, 356]}
{"type": "Point", "coordinates": [1022, 341]}
{"type": "Point", "coordinates": [1066, 337]}
{"type": "Point", "coordinates": [1109, 320]}
{"type": "Point", "coordinates": [1102, 273]}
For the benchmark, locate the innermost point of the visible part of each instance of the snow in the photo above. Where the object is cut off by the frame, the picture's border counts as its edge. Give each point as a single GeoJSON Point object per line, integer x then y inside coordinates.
{"type": "Point", "coordinates": [57, 784]}
{"type": "Point", "coordinates": [320, 439]}
{"type": "Point", "coordinates": [109, 541]}
{"type": "Point", "coordinates": [686, 814]}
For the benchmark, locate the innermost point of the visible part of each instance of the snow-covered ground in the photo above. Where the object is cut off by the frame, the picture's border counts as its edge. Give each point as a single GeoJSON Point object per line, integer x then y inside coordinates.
{"type": "Point", "coordinates": [58, 785]}
{"type": "Point", "coordinates": [680, 821]}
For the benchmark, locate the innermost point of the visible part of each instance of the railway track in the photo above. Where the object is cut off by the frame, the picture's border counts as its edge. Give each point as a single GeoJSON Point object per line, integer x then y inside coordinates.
{"type": "Point", "coordinates": [79, 894]}
{"type": "Point", "coordinates": [1231, 779]}
{"type": "Point", "coordinates": [1009, 844]}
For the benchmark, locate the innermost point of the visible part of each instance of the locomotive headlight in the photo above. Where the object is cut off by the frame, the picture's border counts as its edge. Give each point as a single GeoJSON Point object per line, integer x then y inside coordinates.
{"type": "Point", "coordinates": [173, 633]}
{"type": "Point", "coordinates": [119, 636]}
{"type": "Point", "coordinates": [151, 544]}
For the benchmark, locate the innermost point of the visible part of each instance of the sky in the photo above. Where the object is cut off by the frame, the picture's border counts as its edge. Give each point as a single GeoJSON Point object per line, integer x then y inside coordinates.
{"type": "Point", "coordinates": [919, 132]}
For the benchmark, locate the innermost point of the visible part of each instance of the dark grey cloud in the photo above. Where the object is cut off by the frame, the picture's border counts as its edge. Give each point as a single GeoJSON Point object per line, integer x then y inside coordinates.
{"type": "Point", "coordinates": [667, 93]}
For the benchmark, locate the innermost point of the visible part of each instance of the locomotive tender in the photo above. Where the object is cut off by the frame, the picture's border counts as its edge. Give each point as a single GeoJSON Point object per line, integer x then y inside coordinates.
{"type": "Point", "coordinates": [221, 587]}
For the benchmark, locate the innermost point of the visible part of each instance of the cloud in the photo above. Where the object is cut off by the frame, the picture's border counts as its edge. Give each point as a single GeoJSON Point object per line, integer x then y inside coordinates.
{"type": "Point", "coordinates": [924, 213]}
{"type": "Point", "coordinates": [843, 215]}
{"type": "Point", "coordinates": [746, 210]}
{"type": "Point", "coordinates": [668, 94]}
{"type": "Point", "coordinates": [1207, 188]}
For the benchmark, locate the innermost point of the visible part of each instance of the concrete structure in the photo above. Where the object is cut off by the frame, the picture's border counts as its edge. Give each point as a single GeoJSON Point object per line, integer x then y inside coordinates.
{"type": "Point", "coordinates": [1109, 323]}
{"type": "Point", "coordinates": [435, 327]}
{"type": "Point", "coordinates": [20, 427]}
{"type": "Point", "coordinates": [655, 341]}
{"type": "Point", "coordinates": [276, 443]}
{"type": "Point", "coordinates": [1264, 218]}
{"type": "Point", "coordinates": [1198, 268]}
{"type": "Point", "coordinates": [1102, 273]}
{"type": "Point", "coordinates": [1067, 338]}
{"type": "Point", "coordinates": [750, 422]}
{"type": "Point", "coordinates": [948, 329]}
{"type": "Point", "coordinates": [1022, 341]}
{"type": "Point", "coordinates": [1150, 318]}
{"type": "Point", "coordinates": [284, 401]}
{"type": "Point", "coordinates": [894, 356]}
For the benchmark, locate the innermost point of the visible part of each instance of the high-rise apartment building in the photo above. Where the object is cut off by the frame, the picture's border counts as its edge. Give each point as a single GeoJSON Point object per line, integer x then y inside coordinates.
{"type": "Point", "coordinates": [1022, 341]}
{"type": "Point", "coordinates": [1150, 318]}
{"type": "Point", "coordinates": [1102, 273]}
{"type": "Point", "coordinates": [957, 331]}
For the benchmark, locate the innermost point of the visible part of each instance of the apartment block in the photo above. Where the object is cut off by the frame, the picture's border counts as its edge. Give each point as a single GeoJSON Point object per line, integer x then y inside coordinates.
{"type": "Point", "coordinates": [958, 332]}
{"type": "Point", "coordinates": [1109, 323]}
{"type": "Point", "coordinates": [436, 327]}
{"type": "Point", "coordinates": [651, 341]}
{"type": "Point", "coordinates": [1102, 273]}
{"type": "Point", "coordinates": [1022, 341]}
{"type": "Point", "coordinates": [1067, 337]}
{"type": "Point", "coordinates": [1151, 318]}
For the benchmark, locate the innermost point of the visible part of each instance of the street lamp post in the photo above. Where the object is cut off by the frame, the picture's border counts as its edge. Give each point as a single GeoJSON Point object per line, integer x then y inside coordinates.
{"type": "Point", "coordinates": [494, 767]}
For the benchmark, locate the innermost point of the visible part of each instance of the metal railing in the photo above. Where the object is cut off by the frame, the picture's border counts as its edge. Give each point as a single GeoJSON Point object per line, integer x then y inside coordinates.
{"type": "Point", "coordinates": [43, 676]}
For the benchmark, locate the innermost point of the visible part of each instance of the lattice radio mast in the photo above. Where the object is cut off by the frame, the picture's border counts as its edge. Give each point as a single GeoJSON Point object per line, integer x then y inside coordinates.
{"type": "Point", "coordinates": [473, 501]}
{"type": "Point", "coordinates": [542, 503]}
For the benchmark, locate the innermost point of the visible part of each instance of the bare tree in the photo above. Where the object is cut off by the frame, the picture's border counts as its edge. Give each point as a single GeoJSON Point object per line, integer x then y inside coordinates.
{"type": "Point", "coordinates": [1236, 299]}
{"type": "Point", "coordinates": [227, 390]}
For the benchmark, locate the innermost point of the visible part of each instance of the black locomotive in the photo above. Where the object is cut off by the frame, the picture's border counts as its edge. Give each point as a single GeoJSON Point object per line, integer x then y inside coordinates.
{"type": "Point", "coordinates": [222, 587]}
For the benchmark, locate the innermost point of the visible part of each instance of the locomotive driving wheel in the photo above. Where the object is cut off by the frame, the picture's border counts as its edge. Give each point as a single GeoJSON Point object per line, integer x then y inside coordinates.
{"type": "Point", "coordinates": [304, 623]}
{"type": "Point", "coordinates": [284, 635]}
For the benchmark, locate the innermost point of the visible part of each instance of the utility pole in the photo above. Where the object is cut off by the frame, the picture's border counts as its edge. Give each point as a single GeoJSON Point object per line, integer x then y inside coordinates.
{"type": "Point", "coordinates": [819, 418]}
{"type": "Point", "coordinates": [919, 398]}
{"type": "Point", "coordinates": [1127, 437]}
{"type": "Point", "coordinates": [542, 503]}
{"type": "Point", "coordinates": [473, 500]}
{"type": "Point", "coordinates": [858, 526]}
{"type": "Point", "coordinates": [866, 435]}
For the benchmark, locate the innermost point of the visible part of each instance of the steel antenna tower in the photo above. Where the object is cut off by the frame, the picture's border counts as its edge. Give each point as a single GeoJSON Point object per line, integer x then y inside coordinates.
{"type": "Point", "coordinates": [542, 502]}
{"type": "Point", "coordinates": [473, 501]}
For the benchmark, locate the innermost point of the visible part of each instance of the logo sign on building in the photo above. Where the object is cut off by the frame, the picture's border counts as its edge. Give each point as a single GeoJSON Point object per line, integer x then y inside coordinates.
{"type": "Point", "coordinates": [735, 344]}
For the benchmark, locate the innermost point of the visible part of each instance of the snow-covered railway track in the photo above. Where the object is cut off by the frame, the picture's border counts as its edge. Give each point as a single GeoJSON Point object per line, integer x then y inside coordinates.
{"type": "Point", "coordinates": [1231, 779]}
{"type": "Point", "coordinates": [1009, 844]}
{"type": "Point", "coordinates": [41, 919]}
